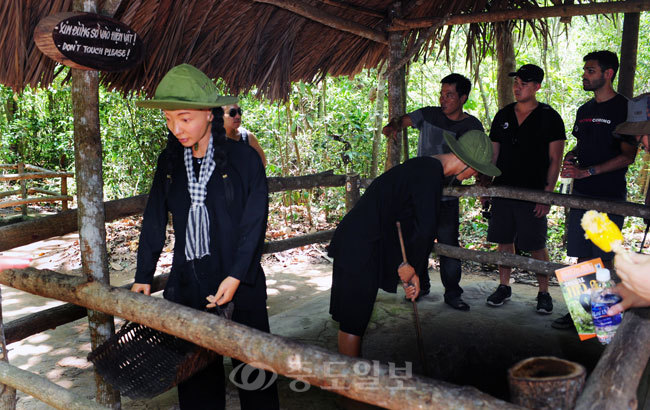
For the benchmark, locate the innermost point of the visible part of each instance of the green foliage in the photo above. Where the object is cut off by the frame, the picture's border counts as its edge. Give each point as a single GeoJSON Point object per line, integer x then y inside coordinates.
{"type": "Point", "coordinates": [132, 140]}
{"type": "Point", "coordinates": [36, 126]}
{"type": "Point", "coordinates": [38, 129]}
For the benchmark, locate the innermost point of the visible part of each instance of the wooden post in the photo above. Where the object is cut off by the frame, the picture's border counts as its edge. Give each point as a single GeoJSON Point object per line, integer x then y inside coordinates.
{"type": "Point", "coordinates": [64, 192]}
{"type": "Point", "coordinates": [505, 62]}
{"type": "Point", "coordinates": [629, 45]}
{"type": "Point", "coordinates": [7, 394]}
{"type": "Point", "coordinates": [379, 117]}
{"type": "Point", "coordinates": [613, 383]}
{"type": "Point", "coordinates": [23, 187]}
{"type": "Point", "coordinates": [90, 196]}
{"type": "Point", "coordinates": [352, 195]}
{"type": "Point", "coordinates": [396, 101]}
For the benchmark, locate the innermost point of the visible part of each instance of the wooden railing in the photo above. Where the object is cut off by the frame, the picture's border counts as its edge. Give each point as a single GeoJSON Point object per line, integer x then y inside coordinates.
{"type": "Point", "coordinates": [25, 172]}
{"type": "Point", "coordinates": [65, 222]}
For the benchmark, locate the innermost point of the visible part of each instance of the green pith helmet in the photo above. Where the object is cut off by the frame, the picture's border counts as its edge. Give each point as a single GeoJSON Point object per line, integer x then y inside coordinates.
{"type": "Point", "coordinates": [474, 148]}
{"type": "Point", "coordinates": [186, 87]}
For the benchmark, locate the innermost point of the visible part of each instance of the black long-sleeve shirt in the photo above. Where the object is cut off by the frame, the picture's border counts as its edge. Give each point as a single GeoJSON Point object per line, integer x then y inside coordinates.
{"type": "Point", "coordinates": [366, 240]}
{"type": "Point", "coordinates": [237, 203]}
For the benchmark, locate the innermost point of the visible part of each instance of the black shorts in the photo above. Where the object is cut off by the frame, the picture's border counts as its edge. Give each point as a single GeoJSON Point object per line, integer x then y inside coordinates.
{"type": "Point", "coordinates": [581, 247]}
{"type": "Point", "coordinates": [514, 221]}
{"type": "Point", "coordinates": [352, 298]}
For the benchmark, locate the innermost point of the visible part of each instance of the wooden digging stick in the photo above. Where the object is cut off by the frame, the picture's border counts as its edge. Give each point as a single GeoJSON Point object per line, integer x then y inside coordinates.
{"type": "Point", "coordinates": [418, 329]}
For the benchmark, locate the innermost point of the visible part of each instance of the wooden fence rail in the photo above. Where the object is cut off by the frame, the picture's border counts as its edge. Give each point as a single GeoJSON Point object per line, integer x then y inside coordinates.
{"type": "Point", "coordinates": [314, 365]}
{"type": "Point", "coordinates": [44, 390]}
{"type": "Point", "coordinates": [24, 233]}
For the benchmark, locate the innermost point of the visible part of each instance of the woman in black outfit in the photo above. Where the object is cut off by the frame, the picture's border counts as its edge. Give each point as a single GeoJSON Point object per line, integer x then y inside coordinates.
{"type": "Point", "coordinates": [216, 192]}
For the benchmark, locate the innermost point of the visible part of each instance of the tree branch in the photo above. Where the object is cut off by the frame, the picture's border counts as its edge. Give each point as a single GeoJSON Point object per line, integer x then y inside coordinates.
{"type": "Point", "coordinates": [551, 198]}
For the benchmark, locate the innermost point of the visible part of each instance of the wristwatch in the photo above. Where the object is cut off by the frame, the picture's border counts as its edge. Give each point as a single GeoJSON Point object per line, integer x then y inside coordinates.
{"type": "Point", "coordinates": [591, 171]}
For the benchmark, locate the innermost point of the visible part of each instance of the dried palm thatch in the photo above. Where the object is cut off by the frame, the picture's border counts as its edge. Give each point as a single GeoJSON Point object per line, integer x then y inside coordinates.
{"type": "Point", "coordinates": [246, 42]}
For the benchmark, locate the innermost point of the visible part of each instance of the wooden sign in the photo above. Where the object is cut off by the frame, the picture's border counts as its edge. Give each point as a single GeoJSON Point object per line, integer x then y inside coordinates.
{"type": "Point", "coordinates": [89, 41]}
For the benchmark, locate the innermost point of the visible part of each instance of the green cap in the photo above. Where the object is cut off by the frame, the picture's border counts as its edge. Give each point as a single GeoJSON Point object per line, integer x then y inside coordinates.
{"type": "Point", "coordinates": [475, 149]}
{"type": "Point", "coordinates": [185, 86]}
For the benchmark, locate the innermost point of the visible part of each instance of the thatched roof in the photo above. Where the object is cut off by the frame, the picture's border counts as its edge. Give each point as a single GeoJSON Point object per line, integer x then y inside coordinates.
{"type": "Point", "coordinates": [247, 43]}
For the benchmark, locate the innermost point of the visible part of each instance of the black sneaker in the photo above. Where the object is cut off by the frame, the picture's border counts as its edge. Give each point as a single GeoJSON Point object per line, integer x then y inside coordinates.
{"type": "Point", "coordinates": [499, 296]}
{"type": "Point", "coordinates": [564, 322]}
{"type": "Point", "coordinates": [544, 303]}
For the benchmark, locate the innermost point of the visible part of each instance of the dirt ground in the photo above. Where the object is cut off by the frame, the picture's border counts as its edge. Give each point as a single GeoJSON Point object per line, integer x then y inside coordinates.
{"type": "Point", "coordinates": [467, 348]}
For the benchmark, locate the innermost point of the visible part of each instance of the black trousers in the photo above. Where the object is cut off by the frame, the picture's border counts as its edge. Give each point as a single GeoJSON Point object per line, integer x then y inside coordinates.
{"type": "Point", "coordinates": [450, 268]}
{"type": "Point", "coordinates": [207, 388]}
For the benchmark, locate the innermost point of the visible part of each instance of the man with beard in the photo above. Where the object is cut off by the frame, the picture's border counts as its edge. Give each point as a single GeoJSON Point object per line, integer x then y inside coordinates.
{"type": "Point", "coordinates": [432, 122]}
{"type": "Point", "coordinates": [599, 161]}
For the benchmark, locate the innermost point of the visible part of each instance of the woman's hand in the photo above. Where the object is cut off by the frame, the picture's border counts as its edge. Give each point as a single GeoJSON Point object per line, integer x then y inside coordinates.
{"type": "Point", "coordinates": [225, 293]}
{"type": "Point", "coordinates": [630, 300]}
{"type": "Point", "coordinates": [141, 288]}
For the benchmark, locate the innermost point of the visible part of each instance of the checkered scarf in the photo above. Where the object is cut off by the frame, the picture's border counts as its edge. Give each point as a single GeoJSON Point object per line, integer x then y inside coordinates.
{"type": "Point", "coordinates": [197, 234]}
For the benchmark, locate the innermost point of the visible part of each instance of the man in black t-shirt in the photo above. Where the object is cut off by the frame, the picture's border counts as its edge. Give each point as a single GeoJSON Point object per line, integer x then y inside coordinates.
{"type": "Point", "coordinates": [432, 122]}
{"type": "Point", "coordinates": [528, 140]}
{"type": "Point", "coordinates": [599, 161]}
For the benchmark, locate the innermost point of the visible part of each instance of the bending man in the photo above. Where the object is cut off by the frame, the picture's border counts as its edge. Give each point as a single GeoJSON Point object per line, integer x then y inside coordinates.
{"type": "Point", "coordinates": [365, 246]}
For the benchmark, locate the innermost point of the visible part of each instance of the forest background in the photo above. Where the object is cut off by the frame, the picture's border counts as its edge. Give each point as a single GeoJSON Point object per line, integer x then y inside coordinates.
{"type": "Point", "coordinates": [333, 124]}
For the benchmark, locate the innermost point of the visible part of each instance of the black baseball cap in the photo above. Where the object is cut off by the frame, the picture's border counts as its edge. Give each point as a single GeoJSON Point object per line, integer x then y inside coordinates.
{"type": "Point", "coordinates": [529, 72]}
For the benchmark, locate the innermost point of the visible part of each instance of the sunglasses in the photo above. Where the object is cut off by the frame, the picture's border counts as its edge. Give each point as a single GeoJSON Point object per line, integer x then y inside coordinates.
{"type": "Point", "coordinates": [234, 111]}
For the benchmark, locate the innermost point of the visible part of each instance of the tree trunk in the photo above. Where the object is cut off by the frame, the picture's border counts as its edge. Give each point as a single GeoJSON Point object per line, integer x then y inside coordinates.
{"type": "Point", "coordinates": [485, 99]}
{"type": "Point", "coordinates": [10, 108]}
{"type": "Point", "coordinates": [322, 104]}
{"type": "Point", "coordinates": [396, 103]}
{"type": "Point", "coordinates": [379, 117]}
{"type": "Point", "coordinates": [7, 394]}
{"type": "Point", "coordinates": [91, 216]}
{"type": "Point", "coordinates": [90, 196]}
{"type": "Point", "coordinates": [629, 45]}
{"type": "Point", "coordinates": [506, 62]}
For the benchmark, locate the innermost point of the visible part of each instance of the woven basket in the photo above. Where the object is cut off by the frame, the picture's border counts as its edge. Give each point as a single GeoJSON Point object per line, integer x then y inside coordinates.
{"type": "Point", "coordinates": [142, 362]}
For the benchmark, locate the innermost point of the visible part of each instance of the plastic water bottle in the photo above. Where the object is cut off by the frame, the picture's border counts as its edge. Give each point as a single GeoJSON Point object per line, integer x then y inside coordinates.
{"type": "Point", "coordinates": [566, 184]}
{"type": "Point", "coordinates": [602, 298]}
